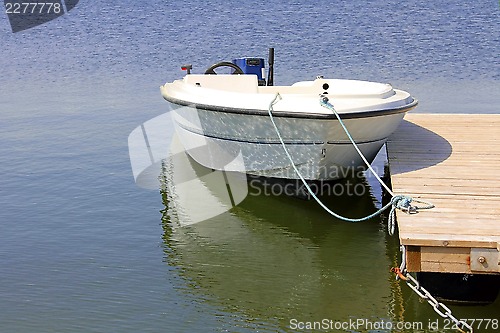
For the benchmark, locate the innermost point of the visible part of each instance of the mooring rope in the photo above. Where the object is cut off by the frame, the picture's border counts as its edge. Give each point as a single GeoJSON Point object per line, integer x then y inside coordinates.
{"type": "Point", "coordinates": [398, 201]}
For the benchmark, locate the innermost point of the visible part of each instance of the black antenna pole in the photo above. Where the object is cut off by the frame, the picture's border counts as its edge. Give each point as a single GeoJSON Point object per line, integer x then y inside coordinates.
{"type": "Point", "coordinates": [270, 76]}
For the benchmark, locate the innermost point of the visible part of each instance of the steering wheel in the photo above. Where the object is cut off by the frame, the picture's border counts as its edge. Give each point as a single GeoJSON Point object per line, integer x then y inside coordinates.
{"type": "Point", "coordinates": [211, 69]}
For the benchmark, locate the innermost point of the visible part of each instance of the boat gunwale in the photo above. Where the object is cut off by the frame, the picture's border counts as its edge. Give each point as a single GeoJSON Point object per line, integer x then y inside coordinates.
{"type": "Point", "coordinates": [266, 141]}
{"type": "Point", "coordinates": [291, 114]}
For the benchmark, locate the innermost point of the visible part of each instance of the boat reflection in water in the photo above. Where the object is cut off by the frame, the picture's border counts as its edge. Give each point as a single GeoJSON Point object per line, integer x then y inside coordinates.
{"type": "Point", "coordinates": [274, 261]}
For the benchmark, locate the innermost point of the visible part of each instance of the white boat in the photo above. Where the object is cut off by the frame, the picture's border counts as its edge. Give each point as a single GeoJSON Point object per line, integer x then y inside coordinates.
{"type": "Point", "coordinates": [223, 122]}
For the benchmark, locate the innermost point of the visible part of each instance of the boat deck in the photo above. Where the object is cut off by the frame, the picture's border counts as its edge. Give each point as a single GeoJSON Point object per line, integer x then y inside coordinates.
{"type": "Point", "coordinates": [451, 160]}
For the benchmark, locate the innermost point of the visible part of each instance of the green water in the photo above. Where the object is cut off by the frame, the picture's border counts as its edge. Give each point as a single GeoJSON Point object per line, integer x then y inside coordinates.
{"type": "Point", "coordinates": [280, 263]}
{"type": "Point", "coordinates": [84, 249]}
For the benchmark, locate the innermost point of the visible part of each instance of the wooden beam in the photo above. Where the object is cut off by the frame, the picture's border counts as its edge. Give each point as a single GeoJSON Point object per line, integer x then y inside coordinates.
{"type": "Point", "coordinates": [452, 161]}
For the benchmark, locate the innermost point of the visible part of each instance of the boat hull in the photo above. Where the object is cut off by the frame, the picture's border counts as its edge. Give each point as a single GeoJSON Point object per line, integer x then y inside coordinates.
{"type": "Point", "coordinates": [245, 142]}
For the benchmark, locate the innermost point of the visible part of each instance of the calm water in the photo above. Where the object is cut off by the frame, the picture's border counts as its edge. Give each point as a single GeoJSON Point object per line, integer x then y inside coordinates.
{"type": "Point", "coordinates": [83, 249]}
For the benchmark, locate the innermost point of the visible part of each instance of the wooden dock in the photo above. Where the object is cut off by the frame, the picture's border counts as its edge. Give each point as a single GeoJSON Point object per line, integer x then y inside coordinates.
{"type": "Point", "coordinates": [453, 161]}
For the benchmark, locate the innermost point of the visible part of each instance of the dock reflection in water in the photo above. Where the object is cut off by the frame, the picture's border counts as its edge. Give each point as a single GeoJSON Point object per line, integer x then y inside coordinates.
{"type": "Point", "coordinates": [272, 259]}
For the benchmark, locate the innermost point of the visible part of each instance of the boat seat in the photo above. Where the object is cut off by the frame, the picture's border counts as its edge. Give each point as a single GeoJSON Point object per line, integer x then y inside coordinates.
{"type": "Point", "coordinates": [346, 88]}
{"type": "Point", "coordinates": [244, 83]}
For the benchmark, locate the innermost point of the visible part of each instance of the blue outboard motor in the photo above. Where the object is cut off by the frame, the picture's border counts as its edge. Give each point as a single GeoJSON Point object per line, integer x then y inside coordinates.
{"type": "Point", "coordinates": [252, 66]}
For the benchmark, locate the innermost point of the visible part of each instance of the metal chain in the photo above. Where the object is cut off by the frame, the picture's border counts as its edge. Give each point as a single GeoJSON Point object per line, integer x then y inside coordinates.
{"type": "Point", "coordinates": [438, 307]}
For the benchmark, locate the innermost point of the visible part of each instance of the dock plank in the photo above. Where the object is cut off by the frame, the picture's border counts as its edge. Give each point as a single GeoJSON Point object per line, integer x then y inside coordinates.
{"type": "Point", "coordinates": [451, 160]}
